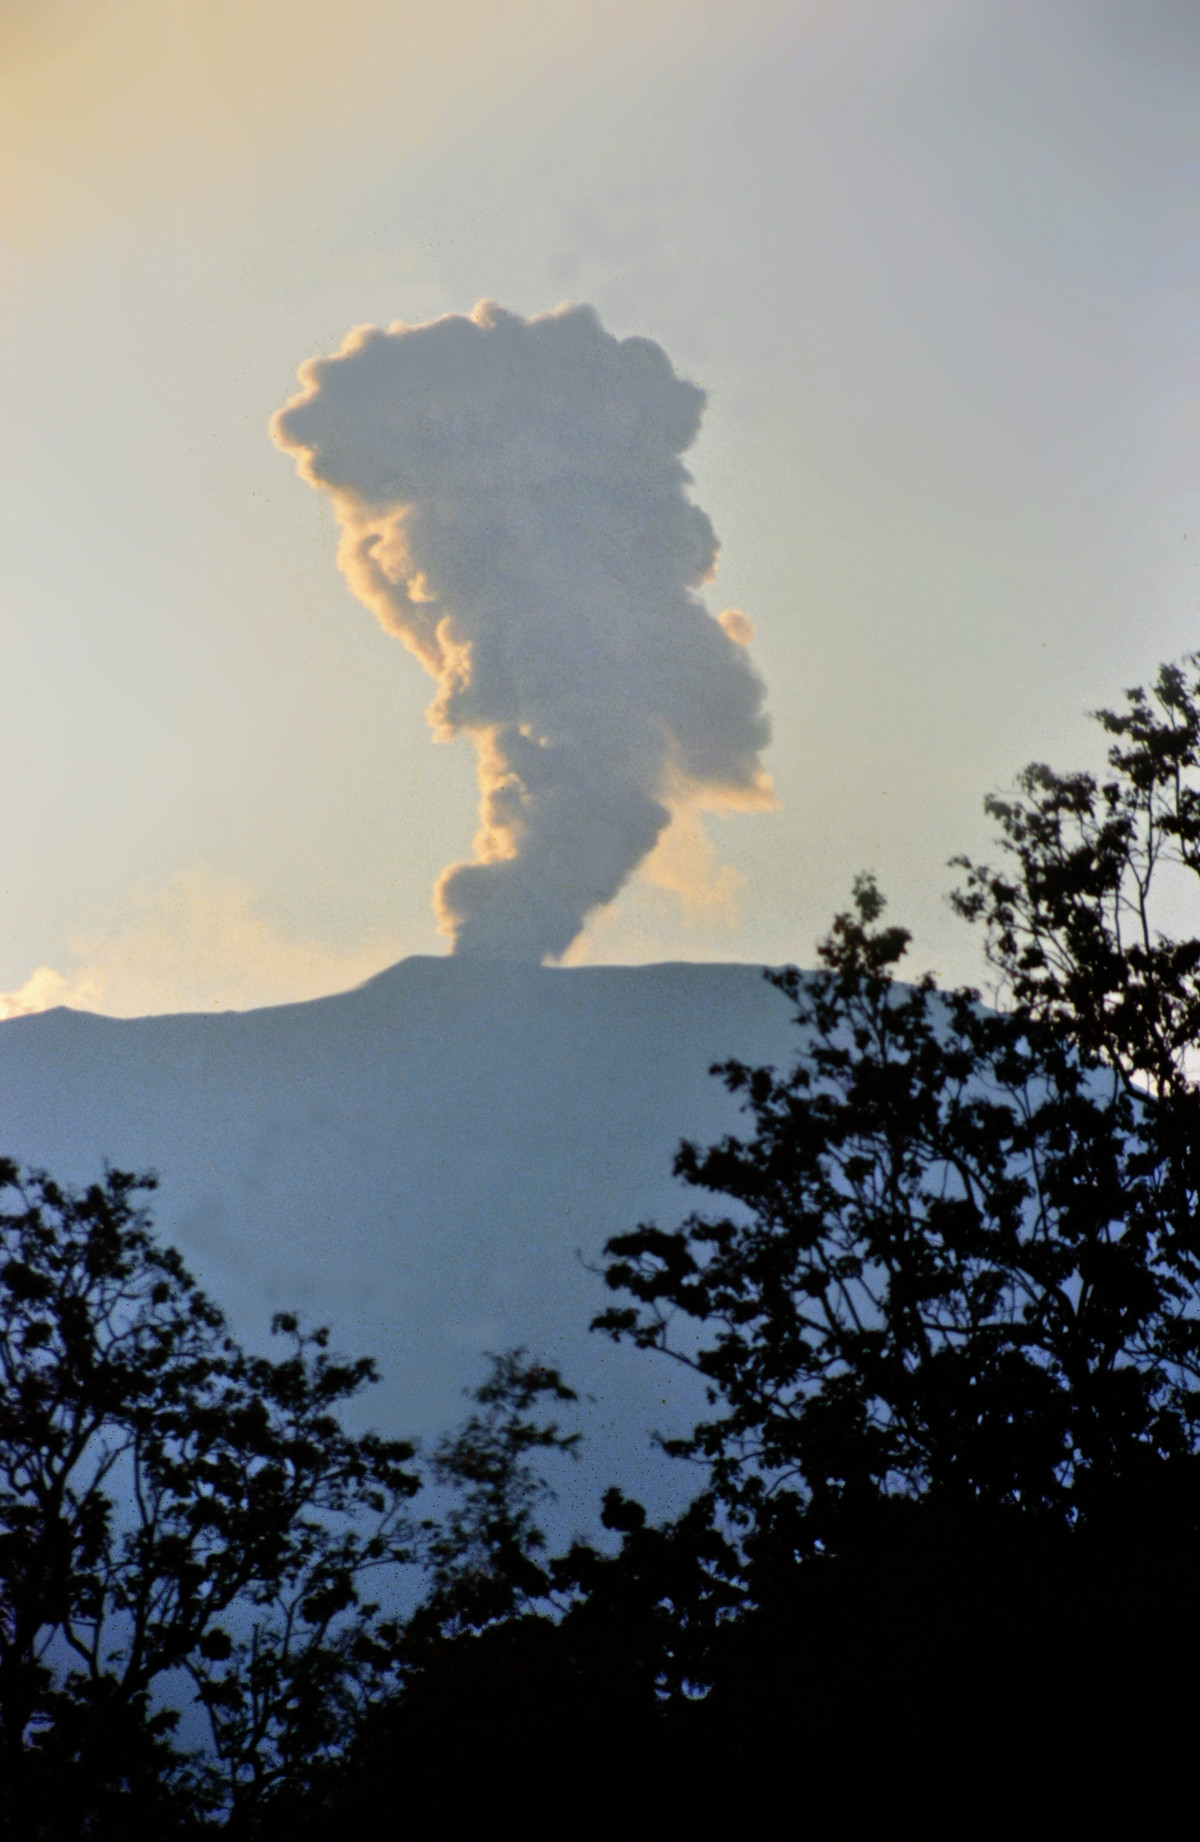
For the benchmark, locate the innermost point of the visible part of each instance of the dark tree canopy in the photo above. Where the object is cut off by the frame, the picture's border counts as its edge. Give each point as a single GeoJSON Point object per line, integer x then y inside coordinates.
{"type": "Point", "coordinates": [484, 1552]}
{"type": "Point", "coordinates": [963, 1257]}
{"type": "Point", "coordinates": [946, 1311]}
{"type": "Point", "coordinates": [954, 1270]}
{"type": "Point", "coordinates": [179, 1522]}
{"type": "Point", "coordinates": [1099, 876]}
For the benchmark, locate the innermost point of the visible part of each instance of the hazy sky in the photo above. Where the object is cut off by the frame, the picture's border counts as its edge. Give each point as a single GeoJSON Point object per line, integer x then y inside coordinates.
{"type": "Point", "coordinates": [933, 261]}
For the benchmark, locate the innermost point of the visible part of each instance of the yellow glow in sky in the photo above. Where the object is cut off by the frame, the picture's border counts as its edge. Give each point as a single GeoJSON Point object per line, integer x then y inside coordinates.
{"type": "Point", "coordinates": [935, 263]}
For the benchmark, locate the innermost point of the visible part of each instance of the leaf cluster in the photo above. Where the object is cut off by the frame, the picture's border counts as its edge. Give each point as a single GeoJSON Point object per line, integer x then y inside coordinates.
{"type": "Point", "coordinates": [958, 1260]}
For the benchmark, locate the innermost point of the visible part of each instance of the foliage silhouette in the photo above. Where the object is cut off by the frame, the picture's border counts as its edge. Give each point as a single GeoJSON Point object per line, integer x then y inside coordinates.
{"type": "Point", "coordinates": [956, 1273]}
{"type": "Point", "coordinates": [947, 1319]}
{"type": "Point", "coordinates": [529, 1684]}
{"type": "Point", "coordinates": [482, 1553]}
{"type": "Point", "coordinates": [1096, 874]}
{"type": "Point", "coordinates": [178, 1520]}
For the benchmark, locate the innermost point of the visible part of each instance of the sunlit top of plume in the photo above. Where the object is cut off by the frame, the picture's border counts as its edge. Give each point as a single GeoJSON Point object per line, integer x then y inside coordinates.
{"type": "Point", "coordinates": [514, 507]}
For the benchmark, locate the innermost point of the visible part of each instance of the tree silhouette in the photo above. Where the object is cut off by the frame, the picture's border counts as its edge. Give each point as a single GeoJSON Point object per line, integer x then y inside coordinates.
{"type": "Point", "coordinates": [946, 1314]}
{"type": "Point", "coordinates": [955, 1272]}
{"type": "Point", "coordinates": [534, 1689]}
{"type": "Point", "coordinates": [1097, 874]}
{"type": "Point", "coordinates": [179, 1521]}
{"type": "Point", "coordinates": [483, 1554]}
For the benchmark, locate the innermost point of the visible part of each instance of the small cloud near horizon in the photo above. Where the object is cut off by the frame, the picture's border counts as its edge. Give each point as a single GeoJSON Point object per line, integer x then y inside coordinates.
{"type": "Point", "coordinates": [195, 943]}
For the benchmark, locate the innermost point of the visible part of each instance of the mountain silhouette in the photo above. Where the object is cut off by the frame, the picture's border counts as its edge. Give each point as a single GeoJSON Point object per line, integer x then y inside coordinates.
{"type": "Point", "coordinates": [425, 1163]}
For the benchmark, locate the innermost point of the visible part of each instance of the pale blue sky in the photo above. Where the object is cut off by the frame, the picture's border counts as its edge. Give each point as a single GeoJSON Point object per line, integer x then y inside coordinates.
{"type": "Point", "coordinates": [934, 261]}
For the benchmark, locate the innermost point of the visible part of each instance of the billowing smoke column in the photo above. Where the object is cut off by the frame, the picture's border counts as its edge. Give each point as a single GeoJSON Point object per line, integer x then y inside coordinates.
{"type": "Point", "coordinates": [513, 507]}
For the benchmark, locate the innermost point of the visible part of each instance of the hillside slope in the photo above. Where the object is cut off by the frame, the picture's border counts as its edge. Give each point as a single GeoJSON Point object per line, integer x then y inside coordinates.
{"type": "Point", "coordinates": [419, 1162]}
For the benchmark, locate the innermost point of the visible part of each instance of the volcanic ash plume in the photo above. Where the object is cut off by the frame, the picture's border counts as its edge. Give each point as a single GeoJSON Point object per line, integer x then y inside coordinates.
{"type": "Point", "coordinates": [513, 507]}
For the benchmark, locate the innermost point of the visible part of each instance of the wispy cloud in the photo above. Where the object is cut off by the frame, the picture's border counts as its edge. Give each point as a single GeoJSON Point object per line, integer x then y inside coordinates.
{"type": "Point", "coordinates": [688, 864]}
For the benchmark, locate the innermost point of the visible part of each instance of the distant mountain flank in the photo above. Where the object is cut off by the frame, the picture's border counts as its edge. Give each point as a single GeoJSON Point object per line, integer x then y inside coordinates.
{"type": "Point", "coordinates": [425, 1163]}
